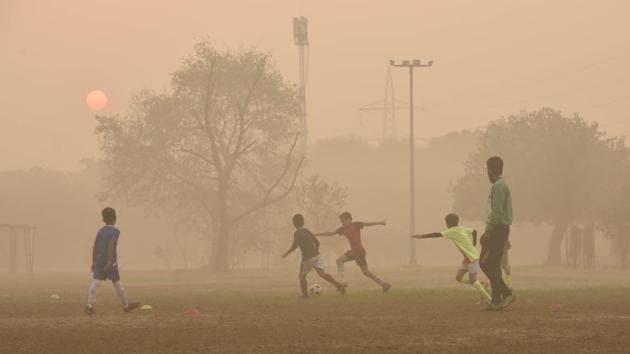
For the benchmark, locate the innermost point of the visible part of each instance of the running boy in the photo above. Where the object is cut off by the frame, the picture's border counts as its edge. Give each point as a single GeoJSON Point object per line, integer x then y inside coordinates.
{"type": "Point", "coordinates": [352, 231]}
{"type": "Point", "coordinates": [105, 263]}
{"type": "Point", "coordinates": [309, 246]}
{"type": "Point", "coordinates": [465, 239]}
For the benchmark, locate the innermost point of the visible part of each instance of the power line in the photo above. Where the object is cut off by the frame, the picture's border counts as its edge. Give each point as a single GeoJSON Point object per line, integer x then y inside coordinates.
{"type": "Point", "coordinates": [603, 104]}
{"type": "Point", "coordinates": [548, 77]}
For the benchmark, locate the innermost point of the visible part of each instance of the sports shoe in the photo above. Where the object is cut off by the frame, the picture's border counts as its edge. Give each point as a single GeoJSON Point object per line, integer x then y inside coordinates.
{"type": "Point", "coordinates": [89, 310]}
{"type": "Point", "coordinates": [494, 307]}
{"type": "Point", "coordinates": [508, 300]}
{"type": "Point", "coordinates": [342, 288]}
{"type": "Point", "coordinates": [386, 287]}
{"type": "Point", "coordinates": [304, 297]}
{"type": "Point", "coordinates": [132, 306]}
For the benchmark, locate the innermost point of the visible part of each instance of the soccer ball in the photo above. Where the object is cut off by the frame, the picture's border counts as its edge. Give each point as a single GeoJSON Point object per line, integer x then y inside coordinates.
{"type": "Point", "coordinates": [315, 289]}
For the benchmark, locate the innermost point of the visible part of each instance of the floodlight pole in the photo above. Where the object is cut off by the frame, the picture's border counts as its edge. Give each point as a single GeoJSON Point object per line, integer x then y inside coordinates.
{"type": "Point", "coordinates": [300, 37]}
{"type": "Point", "coordinates": [412, 165]}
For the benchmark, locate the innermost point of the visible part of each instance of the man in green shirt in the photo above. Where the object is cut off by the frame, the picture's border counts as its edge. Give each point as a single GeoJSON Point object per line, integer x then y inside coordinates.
{"type": "Point", "coordinates": [493, 241]}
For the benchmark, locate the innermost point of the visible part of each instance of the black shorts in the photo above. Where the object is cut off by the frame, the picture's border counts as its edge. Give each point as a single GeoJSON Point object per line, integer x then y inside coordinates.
{"type": "Point", "coordinates": [357, 256]}
{"type": "Point", "coordinates": [100, 274]}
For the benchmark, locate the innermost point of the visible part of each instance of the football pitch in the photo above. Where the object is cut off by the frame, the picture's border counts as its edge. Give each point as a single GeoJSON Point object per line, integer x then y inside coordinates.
{"type": "Point", "coordinates": [558, 311]}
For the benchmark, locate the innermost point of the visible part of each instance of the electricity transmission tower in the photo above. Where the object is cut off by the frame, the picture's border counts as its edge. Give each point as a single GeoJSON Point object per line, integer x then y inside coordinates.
{"type": "Point", "coordinates": [389, 113]}
{"type": "Point", "coordinates": [388, 106]}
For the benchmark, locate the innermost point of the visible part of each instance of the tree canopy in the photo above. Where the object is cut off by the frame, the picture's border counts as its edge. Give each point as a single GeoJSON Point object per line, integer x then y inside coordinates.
{"type": "Point", "coordinates": [562, 170]}
{"type": "Point", "coordinates": [220, 144]}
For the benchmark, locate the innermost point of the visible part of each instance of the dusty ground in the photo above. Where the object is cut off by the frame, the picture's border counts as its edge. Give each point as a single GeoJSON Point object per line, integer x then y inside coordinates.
{"type": "Point", "coordinates": [558, 311]}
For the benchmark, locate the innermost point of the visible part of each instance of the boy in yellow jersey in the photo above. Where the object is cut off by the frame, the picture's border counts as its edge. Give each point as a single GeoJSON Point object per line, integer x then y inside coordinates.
{"type": "Point", "coordinates": [465, 239]}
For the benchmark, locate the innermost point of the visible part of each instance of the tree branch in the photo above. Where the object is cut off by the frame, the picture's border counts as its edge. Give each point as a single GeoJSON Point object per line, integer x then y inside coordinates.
{"type": "Point", "coordinates": [268, 199]}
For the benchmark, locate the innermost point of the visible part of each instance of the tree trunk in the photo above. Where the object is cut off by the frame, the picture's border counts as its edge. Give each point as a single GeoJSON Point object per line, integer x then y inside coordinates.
{"type": "Point", "coordinates": [220, 252]}
{"type": "Point", "coordinates": [554, 256]}
{"type": "Point", "coordinates": [220, 249]}
{"type": "Point", "coordinates": [622, 248]}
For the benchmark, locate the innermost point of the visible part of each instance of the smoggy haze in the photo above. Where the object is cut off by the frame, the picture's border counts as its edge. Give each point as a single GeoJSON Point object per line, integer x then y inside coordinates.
{"type": "Point", "coordinates": [491, 58]}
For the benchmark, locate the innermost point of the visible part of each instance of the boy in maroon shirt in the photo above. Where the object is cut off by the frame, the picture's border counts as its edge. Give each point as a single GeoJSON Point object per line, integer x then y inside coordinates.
{"type": "Point", "coordinates": [352, 231]}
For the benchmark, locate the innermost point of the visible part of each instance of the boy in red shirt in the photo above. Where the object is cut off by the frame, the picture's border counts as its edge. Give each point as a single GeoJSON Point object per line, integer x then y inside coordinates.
{"type": "Point", "coordinates": [352, 231]}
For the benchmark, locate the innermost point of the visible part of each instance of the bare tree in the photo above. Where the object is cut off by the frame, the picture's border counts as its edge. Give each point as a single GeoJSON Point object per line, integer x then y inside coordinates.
{"type": "Point", "coordinates": [221, 145]}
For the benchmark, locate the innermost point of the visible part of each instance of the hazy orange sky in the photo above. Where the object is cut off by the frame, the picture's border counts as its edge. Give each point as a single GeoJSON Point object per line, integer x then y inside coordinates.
{"type": "Point", "coordinates": [491, 58]}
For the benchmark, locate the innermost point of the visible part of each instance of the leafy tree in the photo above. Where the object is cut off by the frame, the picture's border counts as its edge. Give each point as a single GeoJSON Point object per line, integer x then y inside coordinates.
{"type": "Point", "coordinates": [555, 165]}
{"type": "Point", "coordinates": [614, 206]}
{"type": "Point", "coordinates": [321, 201]}
{"type": "Point", "coordinates": [220, 145]}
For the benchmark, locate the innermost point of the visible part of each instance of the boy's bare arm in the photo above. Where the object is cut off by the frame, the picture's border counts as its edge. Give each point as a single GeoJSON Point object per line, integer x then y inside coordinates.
{"type": "Point", "coordinates": [431, 235]}
{"type": "Point", "coordinates": [291, 249]}
{"type": "Point", "coordinates": [93, 256]}
{"type": "Point", "coordinates": [329, 233]}
{"type": "Point", "coordinates": [384, 222]}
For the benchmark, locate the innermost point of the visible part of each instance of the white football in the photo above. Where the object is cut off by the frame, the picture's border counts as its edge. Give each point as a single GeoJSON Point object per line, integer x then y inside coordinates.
{"type": "Point", "coordinates": [315, 289]}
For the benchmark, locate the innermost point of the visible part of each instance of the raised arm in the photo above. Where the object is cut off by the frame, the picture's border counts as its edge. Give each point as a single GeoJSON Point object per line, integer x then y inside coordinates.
{"type": "Point", "coordinates": [431, 235]}
{"type": "Point", "coordinates": [384, 222]}
{"type": "Point", "coordinates": [329, 233]}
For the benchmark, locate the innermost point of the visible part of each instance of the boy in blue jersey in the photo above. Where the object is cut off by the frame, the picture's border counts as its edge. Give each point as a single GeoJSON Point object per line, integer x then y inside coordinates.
{"type": "Point", "coordinates": [105, 262]}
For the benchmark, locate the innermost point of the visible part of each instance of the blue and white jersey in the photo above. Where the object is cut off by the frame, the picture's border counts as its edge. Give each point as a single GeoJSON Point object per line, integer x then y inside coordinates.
{"type": "Point", "coordinates": [106, 233]}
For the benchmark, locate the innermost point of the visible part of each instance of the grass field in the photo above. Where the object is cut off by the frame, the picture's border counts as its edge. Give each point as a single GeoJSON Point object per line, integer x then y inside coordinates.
{"type": "Point", "coordinates": [558, 311]}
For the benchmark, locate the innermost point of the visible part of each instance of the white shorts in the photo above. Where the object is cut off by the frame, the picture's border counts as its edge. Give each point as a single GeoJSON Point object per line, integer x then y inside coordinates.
{"type": "Point", "coordinates": [470, 267]}
{"type": "Point", "coordinates": [308, 265]}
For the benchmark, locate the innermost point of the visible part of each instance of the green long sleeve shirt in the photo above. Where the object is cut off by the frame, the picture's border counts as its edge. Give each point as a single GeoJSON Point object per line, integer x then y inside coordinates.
{"type": "Point", "coordinates": [500, 202]}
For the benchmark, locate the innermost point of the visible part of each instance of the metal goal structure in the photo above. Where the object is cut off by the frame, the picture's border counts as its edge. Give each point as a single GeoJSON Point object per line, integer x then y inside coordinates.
{"type": "Point", "coordinates": [27, 234]}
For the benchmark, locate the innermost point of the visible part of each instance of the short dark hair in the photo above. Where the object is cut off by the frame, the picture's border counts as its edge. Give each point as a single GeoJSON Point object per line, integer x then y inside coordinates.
{"type": "Point", "coordinates": [451, 220]}
{"type": "Point", "coordinates": [298, 220]}
{"type": "Point", "coordinates": [495, 165]}
{"type": "Point", "coordinates": [109, 215]}
{"type": "Point", "coordinates": [345, 215]}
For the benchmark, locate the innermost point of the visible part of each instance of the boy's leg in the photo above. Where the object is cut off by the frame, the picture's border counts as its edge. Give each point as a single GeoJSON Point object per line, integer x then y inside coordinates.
{"type": "Point", "coordinates": [369, 274]}
{"type": "Point", "coordinates": [329, 278]}
{"type": "Point", "coordinates": [303, 285]}
{"type": "Point", "coordinates": [340, 268]}
{"type": "Point", "coordinates": [305, 268]}
{"type": "Point", "coordinates": [92, 293]}
{"type": "Point", "coordinates": [462, 272]}
{"type": "Point", "coordinates": [122, 293]}
{"type": "Point", "coordinates": [462, 276]}
{"type": "Point", "coordinates": [473, 268]}
{"type": "Point", "coordinates": [361, 260]}
{"type": "Point", "coordinates": [114, 276]}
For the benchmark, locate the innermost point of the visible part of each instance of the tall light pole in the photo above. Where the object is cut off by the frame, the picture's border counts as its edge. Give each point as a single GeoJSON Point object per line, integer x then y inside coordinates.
{"type": "Point", "coordinates": [300, 37]}
{"type": "Point", "coordinates": [412, 165]}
